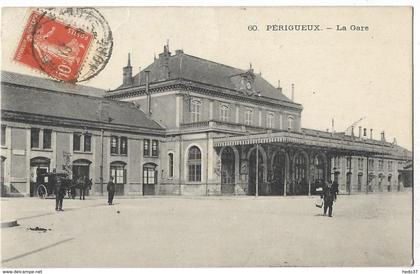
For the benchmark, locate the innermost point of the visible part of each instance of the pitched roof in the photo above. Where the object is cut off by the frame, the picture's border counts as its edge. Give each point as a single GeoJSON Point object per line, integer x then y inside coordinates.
{"type": "Point", "coordinates": [48, 84]}
{"type": "Point", "coordinates": [188, 67]}
{"type": "Point", "coordinates": [25, 98]}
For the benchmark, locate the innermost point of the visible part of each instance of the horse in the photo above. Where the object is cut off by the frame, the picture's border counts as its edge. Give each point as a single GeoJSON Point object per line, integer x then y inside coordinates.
{"type": "Point", "coordinates": [82, 184]}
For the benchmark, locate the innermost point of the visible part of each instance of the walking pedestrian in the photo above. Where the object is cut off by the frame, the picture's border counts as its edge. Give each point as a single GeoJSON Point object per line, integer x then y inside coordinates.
{"type": "Point", "coordinates": [329, 197]}
{"type": "Point", "coordinates": [111, 190]}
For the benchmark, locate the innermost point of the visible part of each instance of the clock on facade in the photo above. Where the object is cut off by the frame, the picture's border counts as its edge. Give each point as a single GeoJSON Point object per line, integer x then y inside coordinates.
{"type": "Point", "coordinates": [248, 85]}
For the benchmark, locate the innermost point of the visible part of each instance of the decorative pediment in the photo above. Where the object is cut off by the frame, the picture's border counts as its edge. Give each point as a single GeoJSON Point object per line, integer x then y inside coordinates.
{"type": "Point", "coordinates": [245, 82]}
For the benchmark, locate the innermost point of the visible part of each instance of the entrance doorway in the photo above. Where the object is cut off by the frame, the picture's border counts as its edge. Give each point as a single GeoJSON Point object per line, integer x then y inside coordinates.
{"type": "Point", "coordinates": [228, 171]}
{"type": "Point", "coordinates": [39, 166]}
{"type": "Point", "coordinates": [279, 174]}
{"type": "Point", "coordinates": [81, 168]}
{"type": "Point", "coordinates": [149, 179]}
{"type": "Point", "coordinates": [300, 179]}
{"type": "Point", "coordinates": [119, 172]}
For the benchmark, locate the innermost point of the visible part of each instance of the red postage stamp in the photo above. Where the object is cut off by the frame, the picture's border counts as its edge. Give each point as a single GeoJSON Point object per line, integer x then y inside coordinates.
{"type": "Point", "coordinates": [53, 47]}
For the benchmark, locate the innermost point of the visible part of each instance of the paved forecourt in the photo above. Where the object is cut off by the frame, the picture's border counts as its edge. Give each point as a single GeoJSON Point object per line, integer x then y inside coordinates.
{"type": "Point", "coordinates": [366, 230]}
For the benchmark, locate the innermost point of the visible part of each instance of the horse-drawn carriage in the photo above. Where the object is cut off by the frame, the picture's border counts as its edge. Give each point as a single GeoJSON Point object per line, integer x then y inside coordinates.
{"type": "Point", "coordinates": [45, 184]}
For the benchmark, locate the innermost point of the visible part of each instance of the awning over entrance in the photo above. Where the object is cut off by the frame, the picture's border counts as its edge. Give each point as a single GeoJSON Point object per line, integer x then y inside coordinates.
{"type": "Point", "coordinates": [313, 138]}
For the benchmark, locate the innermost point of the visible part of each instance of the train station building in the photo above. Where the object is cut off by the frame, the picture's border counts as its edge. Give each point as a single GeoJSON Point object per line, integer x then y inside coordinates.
{"type": "Point", "coordinates": [185, 126]}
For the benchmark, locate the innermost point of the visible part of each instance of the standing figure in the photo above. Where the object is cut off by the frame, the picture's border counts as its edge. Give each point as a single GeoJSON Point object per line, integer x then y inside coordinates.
{"type": "Point", "coordinates": [59, 192]}
{"type": "Point", "coordinates": [82, 186]}
{"type": "Point", "coordinates": [329, 197]}
{"type": "Point", "coordinates": [335, 189]}
{"type": "Point", "coordinates": [111, 190]}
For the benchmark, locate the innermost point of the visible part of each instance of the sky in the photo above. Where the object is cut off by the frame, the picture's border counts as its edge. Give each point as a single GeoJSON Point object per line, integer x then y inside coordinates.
{"type": "Point", "coordinates": [340, 75]}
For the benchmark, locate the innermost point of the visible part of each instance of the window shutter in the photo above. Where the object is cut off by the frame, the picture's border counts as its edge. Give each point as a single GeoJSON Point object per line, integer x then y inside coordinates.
{"type": "Point", "coordinates": [125, 176]}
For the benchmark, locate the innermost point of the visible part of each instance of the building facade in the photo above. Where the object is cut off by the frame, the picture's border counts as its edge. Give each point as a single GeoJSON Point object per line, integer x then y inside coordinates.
{"type": "Point", "coordinates": [192, 127]}
{"type": "Point", "coordinates": [47, 129]}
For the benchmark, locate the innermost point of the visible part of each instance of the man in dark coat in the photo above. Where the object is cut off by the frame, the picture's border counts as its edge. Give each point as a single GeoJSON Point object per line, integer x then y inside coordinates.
{"type": "Point", "coordinates": [59, 192]}
{"type": "Point", "coordinates": [111, 190]}
{"type": "Point", "coordinates": [328, 195]}
{"type": "Point", "coordinates": [335, 189]}
{"type": "Point", "coordinates": [82, 186]}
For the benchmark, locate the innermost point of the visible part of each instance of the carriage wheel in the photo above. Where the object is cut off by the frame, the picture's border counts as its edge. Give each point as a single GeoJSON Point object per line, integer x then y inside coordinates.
{"type": "Point", "coordinates": [42, 191]}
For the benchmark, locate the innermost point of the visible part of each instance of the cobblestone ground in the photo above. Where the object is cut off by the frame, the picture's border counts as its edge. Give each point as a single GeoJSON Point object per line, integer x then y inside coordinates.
{"type": "Point", "coordinates": [366, 230]}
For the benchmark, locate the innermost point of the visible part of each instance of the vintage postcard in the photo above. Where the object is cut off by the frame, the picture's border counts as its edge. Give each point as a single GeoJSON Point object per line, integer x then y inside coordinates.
{"type": "Point", "coordinates": [206, 137]}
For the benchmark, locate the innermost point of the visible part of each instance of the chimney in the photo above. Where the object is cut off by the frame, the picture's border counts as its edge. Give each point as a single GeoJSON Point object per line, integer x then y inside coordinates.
{"type": "Point", "coordinates": [383, 136]}
{"type": "Point", "coordinates": [178, 51]}
{"type": "Point", "coordinates": [279, 87]}
{"type": "Point", "coordinates": [128, 73]}
{"type": "Point", "coordinates": [164, 63]}
{"type": "Point", "coordinates": [149, 97]}
{"type": "Point", "coordinates": [364, 132]}
{"type": "Point", "coordinates": [360, 131]}
{"type": "Point", "coordinates": [371, 133]}
{"type": "Point", "coordinates": [293, 92]}
{"type": "Point", "coordinates": [352, 131]}
{"type": "Point", "coordinates": [332, 125]}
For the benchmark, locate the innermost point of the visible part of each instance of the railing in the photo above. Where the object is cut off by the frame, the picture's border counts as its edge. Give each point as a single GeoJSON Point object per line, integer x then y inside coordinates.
{"type": "Point", "coordinates": [222, 125]}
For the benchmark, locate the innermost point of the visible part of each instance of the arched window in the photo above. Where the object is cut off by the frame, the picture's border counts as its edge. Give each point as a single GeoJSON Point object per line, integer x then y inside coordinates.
{"type": "Point", "coordinates": [224, 113]}
{"type": "Point", "coordinates": [194, 164]}
{"type": "Point", "coordinates": [171, 165]}
{"type": "Point", "coordinates": [290, 123]}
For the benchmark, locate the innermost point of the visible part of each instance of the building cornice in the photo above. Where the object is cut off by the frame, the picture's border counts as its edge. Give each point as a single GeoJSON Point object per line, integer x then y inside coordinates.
{"type": "Point", "coordinates": [186, 86]}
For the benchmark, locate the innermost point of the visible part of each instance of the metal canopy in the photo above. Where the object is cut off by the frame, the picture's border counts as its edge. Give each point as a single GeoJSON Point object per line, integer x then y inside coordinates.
{"type": "Point", "coordinates": [342, 143]}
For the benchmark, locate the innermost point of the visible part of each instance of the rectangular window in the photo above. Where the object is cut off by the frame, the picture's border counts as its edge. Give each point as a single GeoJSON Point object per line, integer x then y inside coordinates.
{"type": "Point", "coordinates": [270, 120]}
{"type": "Point", "coordinates": [390, 166]}
{"type": "Point", "coordinates": [123, 148]}
{"type": "Point", "coordinates": [146, 147]}
{"type": "Point", "coordinates": [360, 163]}
{"type": "Point", "coordinates": [3, 135]}
{"type": "Point", "coordinates": [281, 121]}
{"type": "Point", "coordinates": [349, 162]}
{"type": "Point", "coordinates": [337, 162]}
{"type": "Point", "coordinates": [248, 117]}
{"type": "Point", "coordinates": [195, 111]}
{"type": "Point", "coordinates": [46, 143]}
{"type": "Point", "coordinates": [34, 137]}
{"type": "Point", "coordinates": [224, 113]}
{"type": "Point", "coordinates": [88, 143]}
{"type": "Point", "coordinates": [290, 123]}
{"type": "Point", "coordinates": [114, 145]}
{"type": "Point", "coordinates": [76, 141]}
{"type": "Point", "coordinates": [381, 164]}
{"type": "Point", "coordinates": [371, 162]}
{"type": "Point", "coordinates": [155, 148]}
